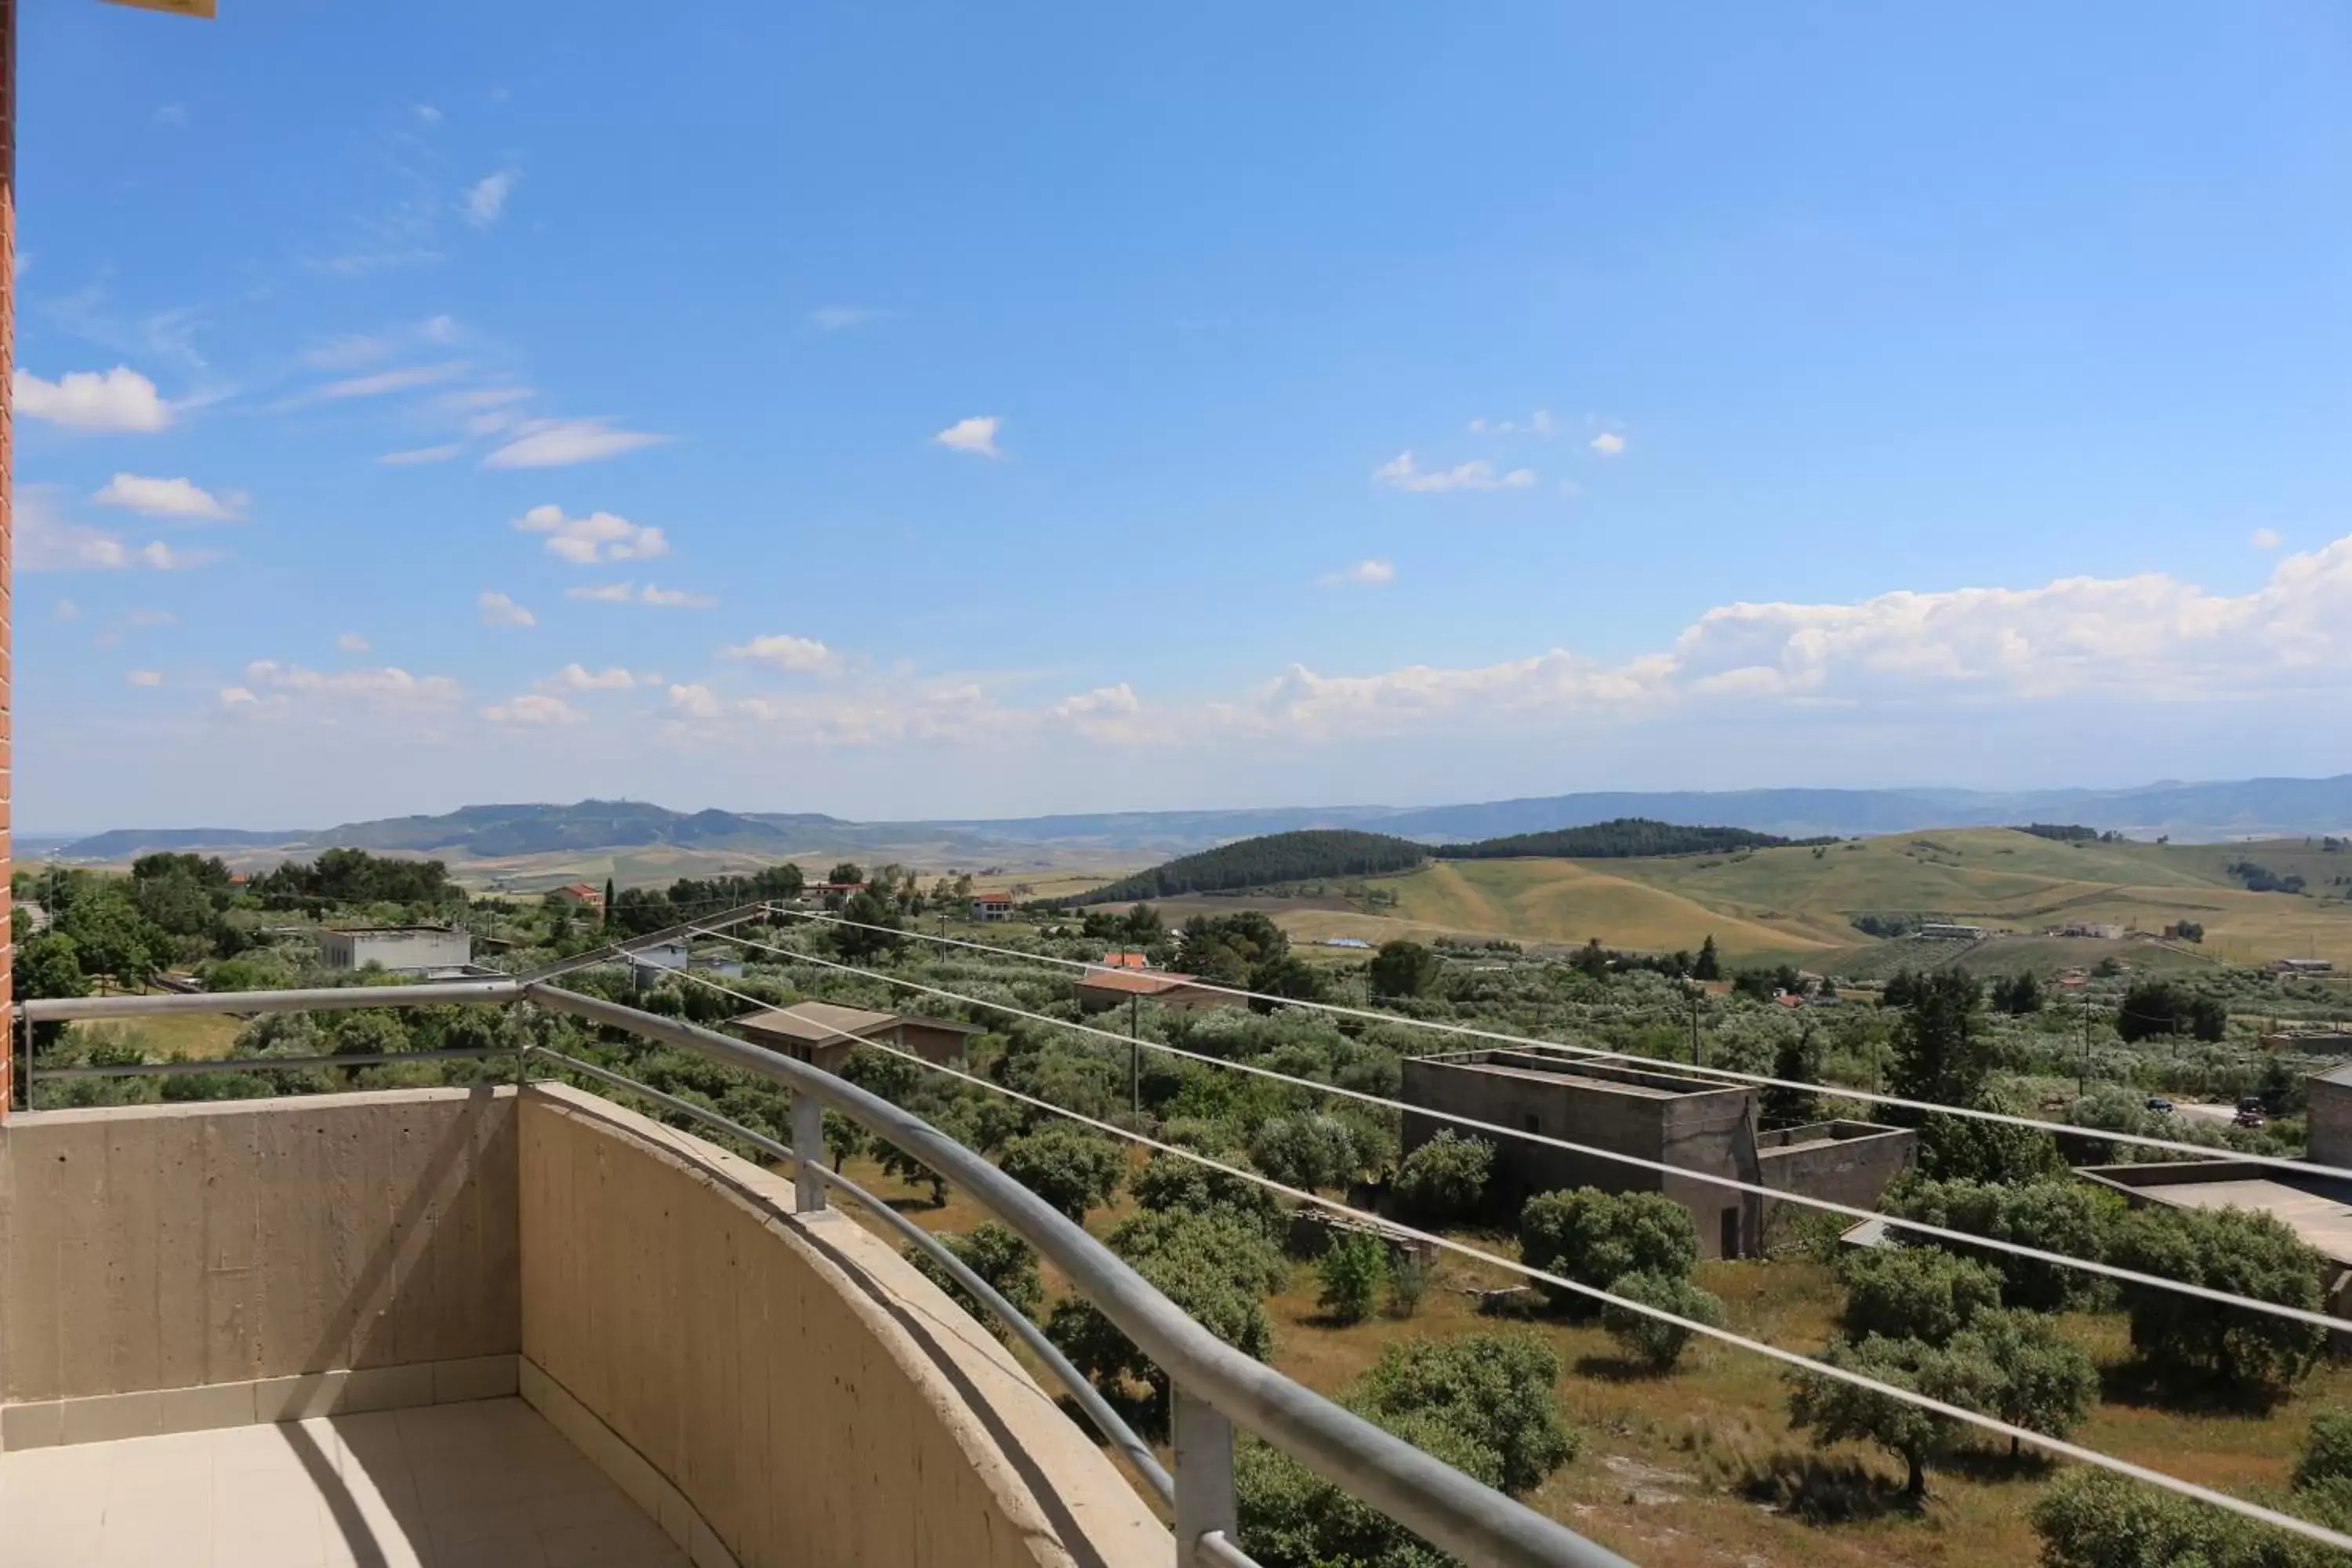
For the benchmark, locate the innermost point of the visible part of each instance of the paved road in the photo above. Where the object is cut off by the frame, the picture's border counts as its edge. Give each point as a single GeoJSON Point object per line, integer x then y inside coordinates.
{"type": "Point", "coordinates": [2222, 1114]}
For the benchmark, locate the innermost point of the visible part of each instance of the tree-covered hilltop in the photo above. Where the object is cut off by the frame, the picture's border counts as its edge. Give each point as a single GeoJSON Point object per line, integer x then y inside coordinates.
{"type": "Point", "coordinates": [1277, 858]}
{"type": "Point", "coordinates": [1622, 838]}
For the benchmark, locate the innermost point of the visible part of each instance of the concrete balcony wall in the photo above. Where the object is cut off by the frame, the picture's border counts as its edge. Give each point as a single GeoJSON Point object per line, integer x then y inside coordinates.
{"type": "Point", "coordinates": [809, 1395]}
{"type": "Point", "coordinates": [238, 1242]}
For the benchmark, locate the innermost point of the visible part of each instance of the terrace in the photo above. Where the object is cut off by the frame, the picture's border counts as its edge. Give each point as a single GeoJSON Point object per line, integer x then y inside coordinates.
{"type": "Point", "coordinates": [518, 1323]}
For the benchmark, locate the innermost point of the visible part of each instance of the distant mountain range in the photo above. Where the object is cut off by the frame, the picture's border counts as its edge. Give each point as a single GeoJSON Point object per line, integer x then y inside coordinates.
{"type": "Point", "coordinates": [2245, 808]}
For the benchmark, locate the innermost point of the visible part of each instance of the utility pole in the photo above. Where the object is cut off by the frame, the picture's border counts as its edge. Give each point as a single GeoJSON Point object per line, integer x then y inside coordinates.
{"type": "Point", "coordinates": [1695, 1060]}
{"type": "Point", "coordinates": [2082, 1078]}
{"type": "Point", "coordinates": [1134, 1058]}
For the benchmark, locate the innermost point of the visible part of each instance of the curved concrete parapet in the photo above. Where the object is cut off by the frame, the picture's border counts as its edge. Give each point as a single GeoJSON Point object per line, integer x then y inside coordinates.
{"type": "Point", "coordinates": [785, 1389]}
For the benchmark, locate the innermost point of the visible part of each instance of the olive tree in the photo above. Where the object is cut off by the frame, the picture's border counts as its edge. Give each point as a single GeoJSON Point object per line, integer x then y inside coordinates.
{"type": "Point", "coordinates": [2235, 1250]}
{"type": "Point", "coordinates": [1596, 1237]}
{"type": "Point", "coordinates": [1071, 1169]}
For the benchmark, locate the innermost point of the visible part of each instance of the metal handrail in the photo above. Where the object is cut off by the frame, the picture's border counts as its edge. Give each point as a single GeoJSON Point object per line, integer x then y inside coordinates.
{"type": "Point", "coordinates": [266, 1064]}
{"type": "Point", "coordinates": [318, 999]}
{"type": "Point", "coordinates": [1116, 1432]}
{"type": "Point", "coordinates": [1424, 1494]}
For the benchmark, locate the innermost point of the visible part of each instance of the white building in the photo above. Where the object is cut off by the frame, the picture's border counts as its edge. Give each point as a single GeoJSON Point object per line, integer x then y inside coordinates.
{"type": "Point", "coordinates": [398, 950]}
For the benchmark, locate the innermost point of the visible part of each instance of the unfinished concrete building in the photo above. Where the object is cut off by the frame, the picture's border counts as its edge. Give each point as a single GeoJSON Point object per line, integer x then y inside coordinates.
{"type": "Point", "coordinates": [1693, 1124]}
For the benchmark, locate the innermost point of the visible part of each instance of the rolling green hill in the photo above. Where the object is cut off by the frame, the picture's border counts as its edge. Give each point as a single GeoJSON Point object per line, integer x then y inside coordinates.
{"type": "Point", "coordinates": [1623, 838]}
{"type": "Point", "coordinates": [1272, 860]}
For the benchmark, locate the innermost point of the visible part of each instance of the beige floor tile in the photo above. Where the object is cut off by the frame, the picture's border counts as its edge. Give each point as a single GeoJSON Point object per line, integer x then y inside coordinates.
{"type": "Point", "coordinates": [492, 1552]}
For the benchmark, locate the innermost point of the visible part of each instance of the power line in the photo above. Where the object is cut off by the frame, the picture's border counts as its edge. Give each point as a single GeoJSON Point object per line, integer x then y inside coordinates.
{"type": "Point", "coordinates": [1594, 1054]}
{"type": "Point", "coordinates": [2057, 1446]}
{"type": "Point", "coordinates": [2108, 1270]}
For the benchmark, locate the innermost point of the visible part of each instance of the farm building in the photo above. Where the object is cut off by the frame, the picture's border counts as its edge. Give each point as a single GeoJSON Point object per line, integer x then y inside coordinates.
{"type": "Point", "coordinates": [990, 906]}
{"type": "Point", "coordinates": [1693, 1124]}
{"type": "Point", "coordinates": [2300, 966]}
{"type": "Point", "coordinates": [1100, 989]}
{"type": "Point", "coordinates": [578, 896]}
{"type": "Point", "coordinates": [398, 950]}
{"type": "Point", "coordinates": [824, 1033]}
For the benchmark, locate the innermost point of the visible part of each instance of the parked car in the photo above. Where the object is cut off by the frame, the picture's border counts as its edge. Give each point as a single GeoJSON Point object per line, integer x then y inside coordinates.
{"type": "Point", "coordinates": [2160, 1105]}
{"type": "Point", "coordinates": [2248, 1117]}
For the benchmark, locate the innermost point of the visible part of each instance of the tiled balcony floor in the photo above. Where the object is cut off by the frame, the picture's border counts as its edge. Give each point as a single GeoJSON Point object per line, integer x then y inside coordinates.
{"type": "Point", "coordinates": [486, 1485]}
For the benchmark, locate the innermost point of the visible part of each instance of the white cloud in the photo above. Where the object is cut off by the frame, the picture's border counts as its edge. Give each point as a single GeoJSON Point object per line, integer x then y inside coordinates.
{"type": "Point", "coordinates": [390, 688]}
{"type": "Point", "coordinates": [426, 114]}
{"type": "Point", "coordinates": [150, 618]}
{"type": "Point", "coordinates": [1476, 475]}
{"type": "Point", "coordinates": [484, 397]}
{"type": "Point", "coordinates": [497, 610]}
{"type": "Point", "coordinates": [351, 642]}
{"type": "Point", "coordinates": [1609, 444]}
{"type": "Point", "coordinates": [1372, 572]}
{"type": "Point", "coordinates": [2266, 539]}
{"type": "Point", "coordinates": [976, 435]}
{"type": "Point", "coordinates": [67, 610]}
{"type": "Point", "coordinates": [119, 401]}
{"type": "Point", "coordinates": [169, 498]}
{"type": "Point", "coordinates": [675, 599]}
{"type": "Point", "coordinates": [1540, 423]}
{"type": "Point", "coordinates": [532, 708]}
{"type": "Point", "coordinates": [842, 318]}
{"type": "Point", "coordinates": [416, 455]}
{"type": "Point", "coordinates": [599, 536]}
{"type": "Point", "coordinates": [696, 701]}
{"type": "Point", "coordinates": [783, 652]}
{"type": "Point", "coordinates": [560, 443]}
{"type": "Point", "coordinates": [579, 678]}
{"type": "Point", "coordinates": [46, 541]}
{"type": "Point", "coordinates": [603, 593]}
{"type": "Point", "coordinates": [399, 380]}
{"type": "Point", "coordinates": [145, 678]}
{"type": "Point", "coordinates": [485, 198]}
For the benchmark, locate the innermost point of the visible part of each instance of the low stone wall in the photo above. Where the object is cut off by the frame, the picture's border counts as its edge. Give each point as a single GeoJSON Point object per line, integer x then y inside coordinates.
{"type": "Point", "coordinates": [787, 1386]}
{"type": "Point", "coordinates": [269, 1245]}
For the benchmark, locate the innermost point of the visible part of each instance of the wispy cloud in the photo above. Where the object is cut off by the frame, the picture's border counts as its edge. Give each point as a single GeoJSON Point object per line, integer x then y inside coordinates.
{"type": "Point", "coordinates": [144, 678]}
{"type": "Point", "coordinates": [579, 678]}
{"type": "Point", "coordinates": [1540, 423]}
{"type": "Point", "coordinates": [649, 594]}
{"type": "Point", "coordinates": [498, 610]}
{"type": "Point", "coordinates": [170, 498]}
{"type": "Point", "coordinates": [2266, 539]}
{"type": "Point", "coordinates": [426, 114]}
{"type": "Point", "coordinates": [415, 455]}
{"type": "Point", "coordinates": [351, 642]}
{"type": "Point", "coordinates": [560, 443]}
{"type": "Point", "coordinates": [1373, 573]}
{"type": "Point", "coordinates": [976, 436]}
{"type": "Point", "coordinates": [843, 318]}
{"type": "Point", "coordinates": [1402, 473]}
{"type": "Point", "coordinates": [400, 380]}
{"type": "Point", "coordinates": [1608, 444]}
{"type": "Point", "coordinates": [119, 401]}
{"type": "Point", "coordinates": [47, 540]}
{"type": "Point", "coordinates": [599, 536]}
{"type": "Point", "coordinates": [485, 198]}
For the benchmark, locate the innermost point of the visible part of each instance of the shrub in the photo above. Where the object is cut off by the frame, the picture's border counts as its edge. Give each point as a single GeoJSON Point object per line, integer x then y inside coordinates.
{"type": "Point", "coordinates": [1353, 1268]}
{"type": "Point", "coordinates": [1494, 1389]}
{"type": "Point", "coordinates": [1071, 1169]}
{"type": "Point", "coordinates": [1656, 1344]}
{"type": "Point", "coordinates": [1837, 1411]}
{"type": "Point", "coordinates": [2047, 1383]}
{"type": "Point", "coordinates": [1403, 969]}
{"type": "Point", "coordinates": [2243, 1253]}
{"type": "Point", "coordinates": [1922, 1293]}
{"type": "Point", "coordinates": [1408, 1282]}
{"type": "Point", "coordinates": [999, 1256]}
{"type": "Point", "coordinates": [1171, 1184]}
{"type": "Point", "coordinates": [1595, 1237]}
{"type": "Point", "coordinates": [1445, 1179]}
{"type": "Point", "coordinates": [2067, 1217]}
{"type": "Point", "coordinates": [1310, 1150]}
{"type": "Point", "coordinates": [2327, 1451]}
{"type": "Point", "coordinates": [2096, 1519]}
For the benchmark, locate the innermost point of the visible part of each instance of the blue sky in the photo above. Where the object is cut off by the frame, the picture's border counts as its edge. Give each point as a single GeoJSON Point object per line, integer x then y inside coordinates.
{"type": "Point", "coordinates": [992, 410]}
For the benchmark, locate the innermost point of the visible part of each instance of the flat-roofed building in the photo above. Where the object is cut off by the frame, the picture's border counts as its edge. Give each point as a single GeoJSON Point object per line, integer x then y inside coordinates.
{"type": "Point", "coordinates": [1694, 1124]}
{"type": "Point", "coordinates": [398, 950]}
{"type": "Point", "coordinates": [824, 1033]}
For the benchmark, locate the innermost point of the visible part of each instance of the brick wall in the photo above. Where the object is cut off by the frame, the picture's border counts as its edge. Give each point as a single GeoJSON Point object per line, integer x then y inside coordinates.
{"type": "Point", "coordinates": [7, 518]}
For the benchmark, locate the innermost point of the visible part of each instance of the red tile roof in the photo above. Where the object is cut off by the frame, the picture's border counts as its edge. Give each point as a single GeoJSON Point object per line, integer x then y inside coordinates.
{"type": "Point", "coordinates": [1132, 983]}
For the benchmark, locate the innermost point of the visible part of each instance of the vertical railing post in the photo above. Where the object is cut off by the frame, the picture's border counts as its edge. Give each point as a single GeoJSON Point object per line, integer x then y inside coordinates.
{"type": "Point", "coordinates": [1204, 1478]}
{"type": "Point", "coordinates": [808, 1152]}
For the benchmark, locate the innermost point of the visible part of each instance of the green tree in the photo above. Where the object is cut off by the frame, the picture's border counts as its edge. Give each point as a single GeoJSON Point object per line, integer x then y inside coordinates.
{"type": "Point", "coordinates": [1171, 1184]}
{"type": "Point", "coordinates": [874, 931]}
{"type": "Point", "coordinates": [1309, 1149]}
{"type": "Point", "coordinates": [2018, 994]}
{"type": "Point", "coordinates": [1708, 966]}
{"type": "Point", "coordinates": [1445, 1180]}
{"type": "Point", "coordinates": [1836, 1411]}
{"type": "Point", "coordinates": [609, 897]}
{"type": "Point", "coordinates": [999, 1256]}
{"type": "Point", "coordinates": [1970, 1148]}
{"type": "Point", "coordinates": [1654, 1342]}
{"type": "Point", "coordinates": [1922, 1293]}
{"type": "Point", "coordinates": [111, 938]}
{"type": "Point", "coordinates": [845, 872]}
{"type": "Point", "coordinates": [2153, 1008]}
{"type": "Point", "coordinates": [1071, 1169]}
{"type": "Point", "coordinates": [2238, 1251]}
{"type": "Point", "coordinates": [1352, 1269]}
{"type": "Point", "coordinates": [1797, 1059]}
{"type": "Point", "coordinates": [49, 965]}
{"type": "Point", "coordinates": [1214, 1268]}
{"type": "Point", "coordinates": [843, 1140]}
{"type": "Point", "coordinates": [2047, 1382]}
{"type": "Point", "coordinates": [1404, 968]}
{"type": "Point", "coordinates": [2091, 1517]}
{"type": "Point", "coordinates": [1597, 1239]}
{"type": "Point", "coordinates": [2056, 1215]}
{"type": "Point", "coordinates": [1494, 1389]}
{"type": "Point", "coordinates": [2327, 1454]}
{"type": "Point", "coordinates": [1943, 1052]}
